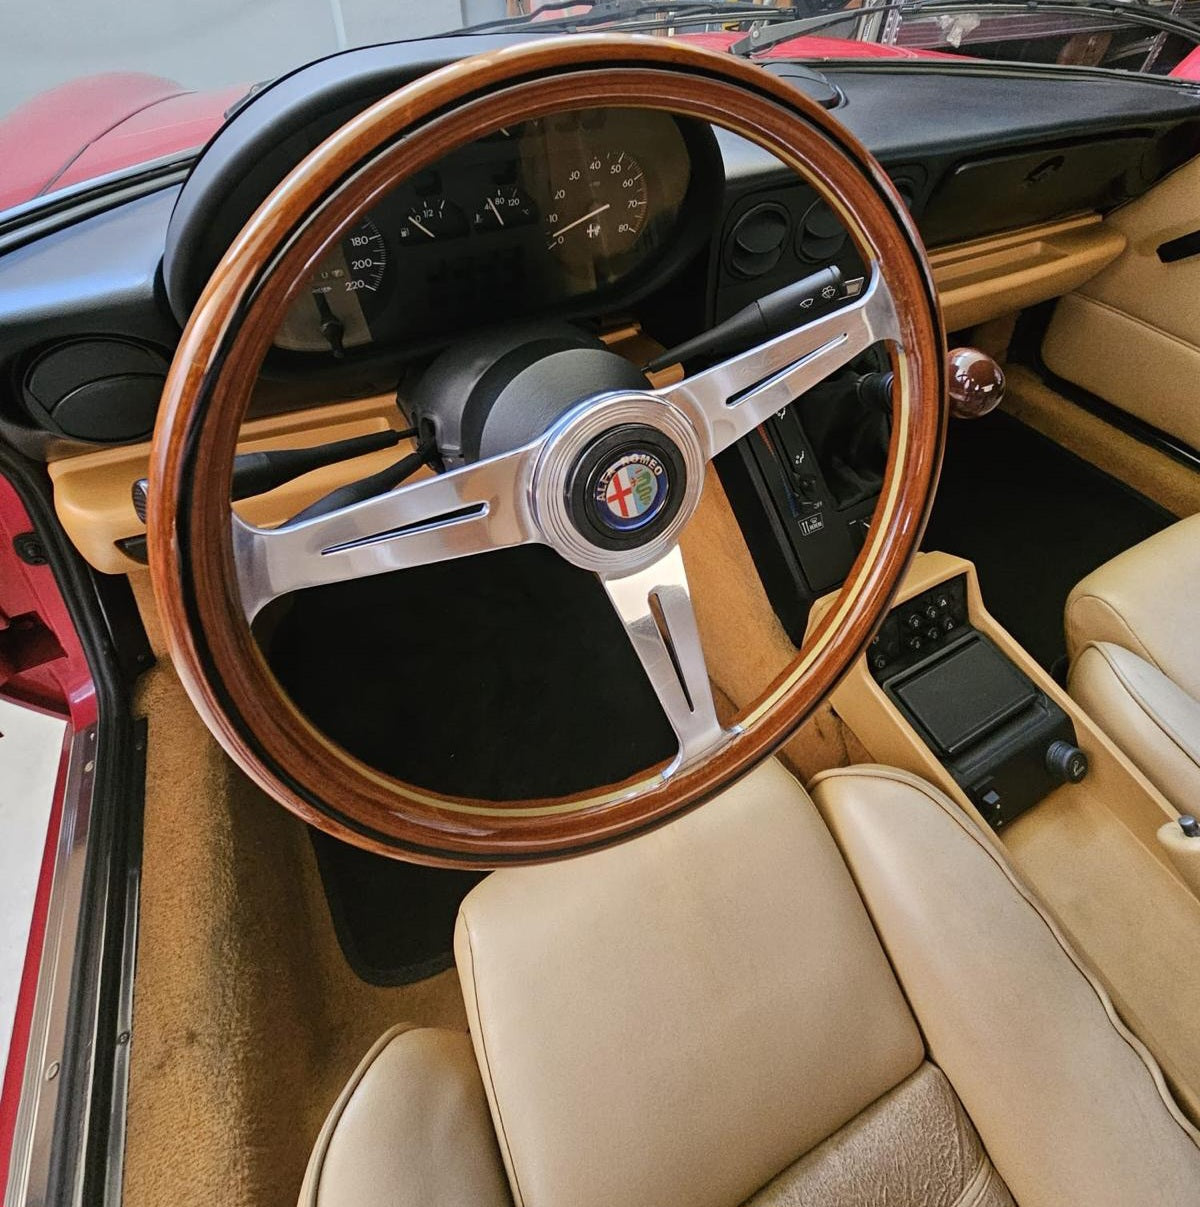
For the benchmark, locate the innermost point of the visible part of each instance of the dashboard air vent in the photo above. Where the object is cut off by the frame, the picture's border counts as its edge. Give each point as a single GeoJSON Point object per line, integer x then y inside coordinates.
{"type": "Point", "coordinates": [96, 388]}
{"type": "Point", "coordinates": [757, 240]}
{"type": "Point", "coordinates": [820, 235]}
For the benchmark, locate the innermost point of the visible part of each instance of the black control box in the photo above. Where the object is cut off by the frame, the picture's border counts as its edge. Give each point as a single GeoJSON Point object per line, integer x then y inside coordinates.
{"type": "Point", "coordinates": [1005, 742]}
{"type": "Point", "coordinates": [916, 629]}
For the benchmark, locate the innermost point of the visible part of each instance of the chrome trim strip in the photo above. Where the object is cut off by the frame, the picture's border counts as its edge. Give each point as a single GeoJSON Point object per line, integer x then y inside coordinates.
{"type": "Point", "coordinates": [29, 1164]}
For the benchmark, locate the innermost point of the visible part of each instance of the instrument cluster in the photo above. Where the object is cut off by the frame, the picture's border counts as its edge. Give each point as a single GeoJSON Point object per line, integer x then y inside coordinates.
{"type": "Point", "coordinates": [567, 208]}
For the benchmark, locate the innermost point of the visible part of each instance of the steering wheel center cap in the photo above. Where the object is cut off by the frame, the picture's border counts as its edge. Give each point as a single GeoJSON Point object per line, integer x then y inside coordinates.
{"type": "Point", "coordinates": [617, 480]}
{"type": "Point", "coordinates": [626, 487]}
{"type": "Point", "coordinates": [632, 491]}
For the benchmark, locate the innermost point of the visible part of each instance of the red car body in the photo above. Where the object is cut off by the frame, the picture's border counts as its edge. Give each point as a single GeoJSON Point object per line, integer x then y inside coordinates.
{"type": "Point", "coordinates": [99, 124]}
{"type": "Point", "coordinates": [102, 123]}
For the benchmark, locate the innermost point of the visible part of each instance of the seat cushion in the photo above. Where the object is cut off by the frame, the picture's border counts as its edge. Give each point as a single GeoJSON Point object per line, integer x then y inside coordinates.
{"type": "Point", "coordinates": [411, 1129]}
{"type": "Point", "coordinates": [1070, 1106]}
{"type": "Point", "coordinates": [1144, 600]}
{"type": "Point", "coordinates": [915, 1147]}
{"type": "Point", "coordinates": [1153, 720]}
{"type": "Point", "coordinates": [676, 1020]}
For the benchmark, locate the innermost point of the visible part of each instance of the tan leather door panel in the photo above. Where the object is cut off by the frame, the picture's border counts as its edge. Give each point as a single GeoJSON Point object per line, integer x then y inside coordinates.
{"type": "Point", "coordinates": [1131, 335]}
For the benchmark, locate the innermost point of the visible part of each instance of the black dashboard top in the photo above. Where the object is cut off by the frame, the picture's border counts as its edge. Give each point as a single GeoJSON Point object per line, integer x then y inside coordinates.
{"type": "Point", "coordinates": [973, 148]}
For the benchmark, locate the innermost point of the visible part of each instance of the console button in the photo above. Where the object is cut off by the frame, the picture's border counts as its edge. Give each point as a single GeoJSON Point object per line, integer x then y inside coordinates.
{"type": "Point", "coordinates": [1066, 762]}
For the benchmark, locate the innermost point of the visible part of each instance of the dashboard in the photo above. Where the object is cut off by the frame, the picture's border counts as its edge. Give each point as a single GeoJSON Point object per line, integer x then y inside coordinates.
{"type": "Point", "coordinates": [567, 231]}
{"type": "Point", "coordinates": [531, 218]}
{"type": "Point", "coordinates": [598, 217]}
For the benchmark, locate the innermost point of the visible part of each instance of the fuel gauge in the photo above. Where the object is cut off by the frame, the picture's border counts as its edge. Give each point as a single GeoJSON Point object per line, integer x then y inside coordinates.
{"type": "Point", "coordinates": [505, 206]}
{"type": "Point", "coordinates": [431, 219]}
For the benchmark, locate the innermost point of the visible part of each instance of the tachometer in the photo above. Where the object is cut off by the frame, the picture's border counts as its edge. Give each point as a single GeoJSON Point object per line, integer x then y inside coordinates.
{"type": "Point", "coordinates": [601, 201]}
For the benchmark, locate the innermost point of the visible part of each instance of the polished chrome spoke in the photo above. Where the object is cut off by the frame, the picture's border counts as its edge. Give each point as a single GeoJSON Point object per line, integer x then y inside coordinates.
{"type": "Point", "coordinates": [655, 606]}
{"type": "Point", "coordinates": [470, 510]}
{"type": "Point", "coordinates": [731, 399]}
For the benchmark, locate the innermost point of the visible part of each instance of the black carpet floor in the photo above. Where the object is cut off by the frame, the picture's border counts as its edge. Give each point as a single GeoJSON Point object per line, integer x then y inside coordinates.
{"type": "Point", "coordinates": [504, 676]}
{"type": "Point", "coordinates": [508, 676]}
{"type": "Point", "coordinates": [1034, 519]}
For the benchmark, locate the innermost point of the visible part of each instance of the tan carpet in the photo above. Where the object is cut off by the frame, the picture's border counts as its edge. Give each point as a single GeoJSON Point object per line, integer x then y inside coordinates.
{"type": "Point", "coordinates": [247, 1020]}
{"type": "Point", "coordinates": [1154, 474]}
{"type": "Point", "coordinates": [744, 643]}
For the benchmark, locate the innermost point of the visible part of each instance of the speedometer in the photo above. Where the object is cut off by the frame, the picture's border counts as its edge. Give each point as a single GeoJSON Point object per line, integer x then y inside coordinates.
{"type": "Point", "coordinates": [332, 314]}
{"type": "Point", "coordinates": [601, 202]}
{"type": "Point", "coordinates": [358, 264]}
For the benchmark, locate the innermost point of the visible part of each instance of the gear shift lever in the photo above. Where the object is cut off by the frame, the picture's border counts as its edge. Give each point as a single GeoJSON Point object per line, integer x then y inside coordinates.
{"type": "Point", "coordinates": [975, 383]}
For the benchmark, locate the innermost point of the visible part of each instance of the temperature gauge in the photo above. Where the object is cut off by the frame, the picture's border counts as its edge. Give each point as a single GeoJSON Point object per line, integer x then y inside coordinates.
{"type": "Point", "coordinates": [505, 206]}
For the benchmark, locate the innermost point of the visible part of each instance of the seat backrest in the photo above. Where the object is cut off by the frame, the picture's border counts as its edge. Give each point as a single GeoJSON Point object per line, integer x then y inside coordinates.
{"type": "Point", "coordinates": [677, 1020]}
{"type": "Point", "coordinates": [704, 1016]}
{"type": "Point", "coordinates": [410, 1129]}
{"type": "Point", "coordinates": [1144, 600]}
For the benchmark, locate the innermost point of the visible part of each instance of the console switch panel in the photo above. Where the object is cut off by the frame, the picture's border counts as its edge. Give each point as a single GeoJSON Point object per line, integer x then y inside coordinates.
{"type": "Point", "coordinates": [914, 630]}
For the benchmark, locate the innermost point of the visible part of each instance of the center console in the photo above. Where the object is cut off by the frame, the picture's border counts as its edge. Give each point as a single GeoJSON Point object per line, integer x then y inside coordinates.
{"type": "Point", "coordinates": [947, 694]}
{"type": "Point", "coordinates": [804, 487]}
{"type": "Point", "coordinates": [1002, 739]}
{"type": "Point", "coordinates": [805, 484]}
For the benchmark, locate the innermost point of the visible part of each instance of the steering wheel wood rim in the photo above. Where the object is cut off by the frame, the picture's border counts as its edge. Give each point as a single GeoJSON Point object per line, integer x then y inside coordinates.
{"type": "Point", "coordinates": [191, 540]}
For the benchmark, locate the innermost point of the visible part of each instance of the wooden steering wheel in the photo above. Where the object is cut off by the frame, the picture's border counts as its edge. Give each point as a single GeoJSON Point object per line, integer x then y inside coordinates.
{"type": "Point", "coordinates": [212, 572]}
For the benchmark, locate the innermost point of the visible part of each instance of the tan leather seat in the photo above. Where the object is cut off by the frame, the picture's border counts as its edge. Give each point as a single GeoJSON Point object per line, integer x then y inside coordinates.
{"type": "Point", "coordinates": [1132, 636]}
{"type": "Point", "coordinates": [760, 1005]}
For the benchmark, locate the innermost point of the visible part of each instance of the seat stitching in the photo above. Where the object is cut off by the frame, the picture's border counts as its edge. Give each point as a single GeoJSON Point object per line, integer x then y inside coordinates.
{"type": "Point", "coordinates": [1136, 320]}
{"type": "Point", "coordinates": [972, 1193]}
{"type": "Point", "coordinates": [1104, 603]}
{"type": "Point", "coordinates": [1167, 731]}
{"type": "Point", "coordinates": [495, 1096]}
{"type": "Point", "coordinates": [968, 827]}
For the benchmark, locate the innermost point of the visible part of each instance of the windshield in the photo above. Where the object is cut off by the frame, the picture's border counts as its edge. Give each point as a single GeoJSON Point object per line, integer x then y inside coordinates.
{"type": "Point", "coordinates": [91, 87]}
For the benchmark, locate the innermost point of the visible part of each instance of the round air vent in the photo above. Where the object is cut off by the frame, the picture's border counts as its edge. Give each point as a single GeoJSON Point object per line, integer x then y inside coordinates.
{"type": "Point", "coordinates": [820, 235]}
{"type": "Point", "coordinates": [96, 388]}
{"type": "Point", "coordinates": [907, 189]}
{"type": "Point", "coordinates": [757, 240]}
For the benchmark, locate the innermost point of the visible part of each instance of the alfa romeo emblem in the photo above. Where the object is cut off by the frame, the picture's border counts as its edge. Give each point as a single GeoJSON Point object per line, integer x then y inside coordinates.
{"type": "Point", "coordinates": [632, 491]}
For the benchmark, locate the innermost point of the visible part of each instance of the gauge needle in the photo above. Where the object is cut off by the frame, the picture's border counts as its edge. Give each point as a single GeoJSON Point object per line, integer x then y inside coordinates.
{"type": "Point", "coordinates": [423, 229]}
{"type": "Point", "coordinates": [492, 207]}
{"type": "Point", "coordinates": [558, 234]}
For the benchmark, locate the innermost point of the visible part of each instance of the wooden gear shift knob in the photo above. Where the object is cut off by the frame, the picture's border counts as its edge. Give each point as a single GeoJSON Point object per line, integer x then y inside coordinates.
{"type": "Point", "coordinates": [976, 383]}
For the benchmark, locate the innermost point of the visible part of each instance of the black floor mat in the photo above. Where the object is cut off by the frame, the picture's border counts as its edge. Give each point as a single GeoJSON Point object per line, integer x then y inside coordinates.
{"type": "Point", "coordinates": [503, 676]}
{"type": "Point", "coordinates": [1034, 519]}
